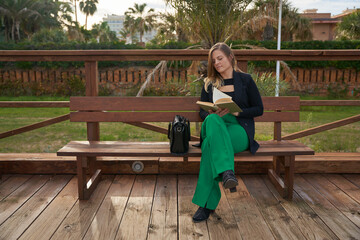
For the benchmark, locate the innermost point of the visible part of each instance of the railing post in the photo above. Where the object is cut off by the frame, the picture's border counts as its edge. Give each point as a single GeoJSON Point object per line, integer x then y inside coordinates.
{"type": "Point", "coordinates": [242, 65]}
{"type": "Point", "coordinates": [92, 89]}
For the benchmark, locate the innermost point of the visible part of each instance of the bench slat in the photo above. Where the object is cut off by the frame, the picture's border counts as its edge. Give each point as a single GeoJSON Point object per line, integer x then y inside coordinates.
{"type": "Point", "coordinates": [168, 116]}
{"type": "Point", "coordinates": [161, 149]}
{"type": "Point", "coordinates": [166, 103]}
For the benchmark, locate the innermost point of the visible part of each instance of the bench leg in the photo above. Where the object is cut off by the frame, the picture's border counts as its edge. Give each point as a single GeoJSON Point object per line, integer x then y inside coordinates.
{"type": "Point", "coordinates": [289, 175]}
{"type": "Point", "coordinates": [85, 188]}
{"type": "Point", "coordinates": [283, 186]}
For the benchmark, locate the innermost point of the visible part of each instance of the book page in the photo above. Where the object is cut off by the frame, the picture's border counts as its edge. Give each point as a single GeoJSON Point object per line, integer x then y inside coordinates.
{"type": "Point", "coordinates": [217, 94]}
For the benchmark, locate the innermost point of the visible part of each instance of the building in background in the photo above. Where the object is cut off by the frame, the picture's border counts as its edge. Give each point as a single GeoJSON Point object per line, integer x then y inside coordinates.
{"type": "Point", "coordinates": [323, 24]}
{"type": "Point", "coordinates": [116, 23]}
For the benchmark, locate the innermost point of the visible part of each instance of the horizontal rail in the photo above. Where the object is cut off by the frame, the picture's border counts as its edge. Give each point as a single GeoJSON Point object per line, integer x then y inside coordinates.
{"type": "Point", "coordinates": [329, 102]}
{"type": "Point", "coordinates": [322, 128]}
{"type": "Point", "coordinates": [175, 54]}
{"type": "Point", "coordinates": [157, 129]}
{"type": "Point", "coordinates": [34, 104]}
{"type": "Point", "coordinates": [35, 126]}
{"type": "Point", "coordinates": [62, 104]}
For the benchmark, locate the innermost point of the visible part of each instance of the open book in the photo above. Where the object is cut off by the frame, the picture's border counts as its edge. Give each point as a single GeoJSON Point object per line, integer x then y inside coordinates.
{"type": "Point", "coordinates": [221, 100]}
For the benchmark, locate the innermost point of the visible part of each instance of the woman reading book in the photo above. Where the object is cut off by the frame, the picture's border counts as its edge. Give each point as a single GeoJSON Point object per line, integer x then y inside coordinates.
{"type": "Point", "coordinates": [224, 133]}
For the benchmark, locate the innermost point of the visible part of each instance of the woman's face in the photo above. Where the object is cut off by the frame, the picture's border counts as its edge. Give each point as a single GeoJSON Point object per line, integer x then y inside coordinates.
{"type": "Point", "coordinates": [221, 62]}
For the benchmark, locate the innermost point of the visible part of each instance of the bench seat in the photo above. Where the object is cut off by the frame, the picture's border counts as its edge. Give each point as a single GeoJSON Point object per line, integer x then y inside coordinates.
{"type": "Point", "coordinates": [161, 149]}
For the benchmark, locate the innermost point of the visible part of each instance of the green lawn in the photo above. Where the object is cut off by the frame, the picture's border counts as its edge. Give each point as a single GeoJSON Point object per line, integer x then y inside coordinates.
{"type": "Point", "coordinates": [51, 138]}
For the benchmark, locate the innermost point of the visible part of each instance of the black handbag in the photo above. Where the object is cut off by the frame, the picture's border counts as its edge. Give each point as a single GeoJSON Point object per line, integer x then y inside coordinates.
{"type": "Point", "coordinates": [179, 135]}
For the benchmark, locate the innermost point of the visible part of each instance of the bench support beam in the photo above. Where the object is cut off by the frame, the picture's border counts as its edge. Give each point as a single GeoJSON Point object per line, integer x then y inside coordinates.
{"type": "Point", "coordinates": [85, 188]}
{"type": "Point", "coordinates": [284, 185]}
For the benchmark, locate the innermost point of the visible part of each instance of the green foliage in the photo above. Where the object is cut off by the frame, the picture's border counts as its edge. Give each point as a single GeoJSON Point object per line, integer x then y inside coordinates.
{"type": "Point", "coordinates": [171, 88]}
{"type": "Point", "coordinates": [266, 83]}
{"type": "Point", "coordinates": [49, 36]}
{"type": "Point", "coordinates": [349, 27]}
{"type": "Point", "coordinates": [338, 90]}
{"type": "Point", "coordinates": [11, 88]}
{"type": "Point", "coordinates": [72, 86]}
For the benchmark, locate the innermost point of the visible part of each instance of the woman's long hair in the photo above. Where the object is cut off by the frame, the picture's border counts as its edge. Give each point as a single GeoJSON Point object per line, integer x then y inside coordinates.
{"type": "Point", "coordinates": [213, 76]}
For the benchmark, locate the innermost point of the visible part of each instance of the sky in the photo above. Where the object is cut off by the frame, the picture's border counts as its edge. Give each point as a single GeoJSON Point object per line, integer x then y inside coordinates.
{"type": "Point", "coordinates": [119, 7]}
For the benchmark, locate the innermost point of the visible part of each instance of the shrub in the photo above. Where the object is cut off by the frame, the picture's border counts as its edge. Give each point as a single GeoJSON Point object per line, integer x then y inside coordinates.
{"type": "Point", "coordinates": [338, 90]}
{"type": "Point", "coordinates": [266, 83]}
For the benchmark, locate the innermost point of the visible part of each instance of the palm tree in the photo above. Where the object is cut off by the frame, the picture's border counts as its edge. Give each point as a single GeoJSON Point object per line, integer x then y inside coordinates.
{"type": "Point", "coordinates": [209, 21]}
{"type": "Point", "coordinates": [263, 18]}
{"type": "Point", "coordinates": [170, 29]}
{"type": "Point", "coordinates": [89, 8]}
{"type": "Point", "coordinates": [139, 20]}
{"type": "Point", "coordinates": [349, 27]}
{"type": "Point", "coordinates": [103, 33]}
{"type": "Point", "coordinates": [75, 9]}
{"type": "Point", "coordinates": [18, 11]}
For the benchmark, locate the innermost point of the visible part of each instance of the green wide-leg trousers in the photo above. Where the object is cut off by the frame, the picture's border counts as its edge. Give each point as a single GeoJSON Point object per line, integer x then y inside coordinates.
{"type": "Point", "coordinates": [222, 137]}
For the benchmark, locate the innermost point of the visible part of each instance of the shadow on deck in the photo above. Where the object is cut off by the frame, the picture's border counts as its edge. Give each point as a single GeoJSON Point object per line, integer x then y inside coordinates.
{"type": "Point", "coordinates": [325, 206]}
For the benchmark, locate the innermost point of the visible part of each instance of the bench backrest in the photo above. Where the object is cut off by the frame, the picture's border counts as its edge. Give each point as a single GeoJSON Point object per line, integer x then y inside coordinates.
{"type": "Point", "coordinates": [163, 109]}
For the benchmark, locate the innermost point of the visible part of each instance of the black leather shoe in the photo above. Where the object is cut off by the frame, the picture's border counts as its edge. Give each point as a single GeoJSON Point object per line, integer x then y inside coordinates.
{"type": "Point", "coordinates": [229, 180]}
{"type": "Point", "coordinates": [202, 214]}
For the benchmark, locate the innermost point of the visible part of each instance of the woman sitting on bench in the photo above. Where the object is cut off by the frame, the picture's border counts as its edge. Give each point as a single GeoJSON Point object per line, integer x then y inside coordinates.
{"type": "Point", "coordinates": [224, 133]}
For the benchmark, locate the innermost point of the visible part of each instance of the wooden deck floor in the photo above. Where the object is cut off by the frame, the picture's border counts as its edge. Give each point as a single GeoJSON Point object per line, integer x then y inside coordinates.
{"type": "Point", "coordinates": [325, 206]}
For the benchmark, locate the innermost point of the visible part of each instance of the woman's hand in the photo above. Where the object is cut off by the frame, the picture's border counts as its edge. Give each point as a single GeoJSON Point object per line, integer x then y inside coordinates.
{"type": "Point", "coordinates": [220, 112]}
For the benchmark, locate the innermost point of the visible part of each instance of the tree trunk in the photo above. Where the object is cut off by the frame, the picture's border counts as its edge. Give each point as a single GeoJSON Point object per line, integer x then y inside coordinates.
{"type": "Point", "coordinates": [13, 30]}
{"type": "Point", "coordinates": [86, 21]}
{"type": "Point", "coordinates": [75, 12]}
{"type": "Point", "coordinates": [18, 30]}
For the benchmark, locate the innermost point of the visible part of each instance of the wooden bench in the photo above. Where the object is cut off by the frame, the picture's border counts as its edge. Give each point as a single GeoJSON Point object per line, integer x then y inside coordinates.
{"type": "Point", "coordinates": [137, 111]}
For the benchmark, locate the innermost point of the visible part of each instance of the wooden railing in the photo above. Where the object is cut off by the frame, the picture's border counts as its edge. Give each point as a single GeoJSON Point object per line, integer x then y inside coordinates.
{"type": "Point", "coordinates": [91, 57]}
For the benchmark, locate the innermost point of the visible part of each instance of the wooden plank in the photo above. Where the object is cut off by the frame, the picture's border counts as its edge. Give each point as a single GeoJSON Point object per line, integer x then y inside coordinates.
{"type": "Point", "coordinates": [272, 211]}
{"type": "Point", "coordinates": [15, 225]}
{"type": "Point", "coordinates": [186, 209]}
{"type": "Point", "coordinates": [76, 223]}
{"type": "Point", "coordinates": [118, 148]}
{"type": "Point", "coordinates": [330, 102]}
{"type": "Point", "coordinates": [135, 222]}
{"type": "Point", "coordinates": [345, 185]}
{"type": "Point", "coordinates": [341, 226]}
{"type": "Point", "coordinates": [322, 128]}
{"type": "Point", "coordinates": [251, 224]}
{"type": "Point", "coordinates": [348, 206]}
{"type": "Point", "coordinates": [110, 213]}
{"type": "Point", "coordinates": [192, 54]}
{"type": "Point", "coordinates": [169, 116]}
{"type": "Point", "coordinates": [222, 223]}
{"type": "Point", "coordinates": [11, 184]}
{"type": "Point", "coordinates": [3, 178]}
{"type": "Point", "coordinates": [34, 104]}
{"type": "Point", "coordinates": [17, 198]}
{"type": "Point", "coordinates": [158, 129]}
{"type": "Point", "coordinates": [50, 219]}
{"type": "Point", "coordinates": [355, 179]}
{"type": "Point", "coordinates": [304, 217]}
{"type": "Point", "coordinates": [166, 103]}
{"type": "Point", "coordinates": [92, 89]}
{"type": "Point", "coordinates": [35, 126]}
{"type": "Point", "coordinates": [163, 221]}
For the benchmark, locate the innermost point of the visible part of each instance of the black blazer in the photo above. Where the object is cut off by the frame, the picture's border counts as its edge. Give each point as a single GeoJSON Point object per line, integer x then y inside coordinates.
{"type": "Point", "coordinates": [248, 98]}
